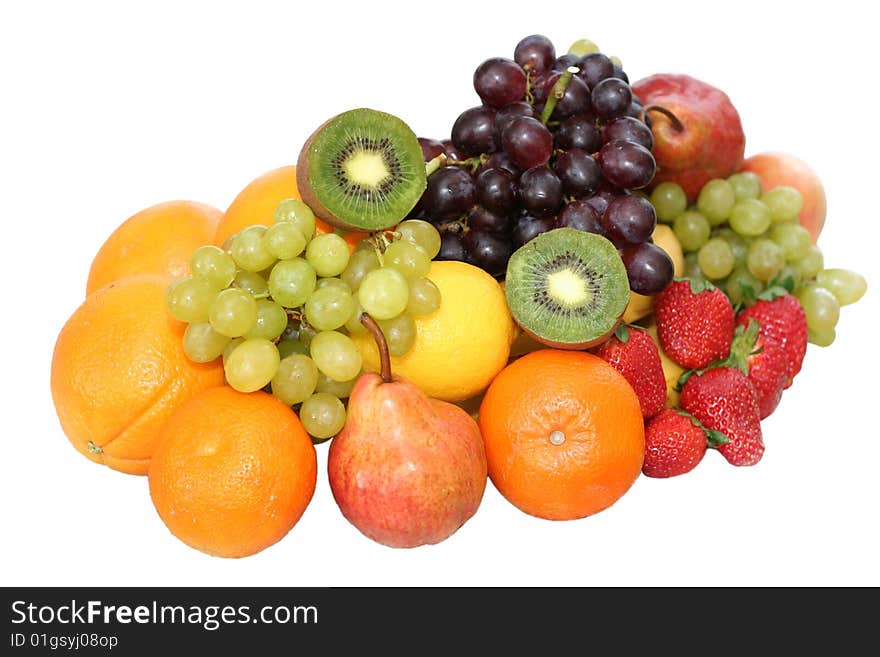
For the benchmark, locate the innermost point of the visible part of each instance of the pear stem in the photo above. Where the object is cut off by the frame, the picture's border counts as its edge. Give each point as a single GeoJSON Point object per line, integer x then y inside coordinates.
{"type": "Point", "coordinates": [384, 357]}
{"type": "Point", "coordinates": [677, 125]}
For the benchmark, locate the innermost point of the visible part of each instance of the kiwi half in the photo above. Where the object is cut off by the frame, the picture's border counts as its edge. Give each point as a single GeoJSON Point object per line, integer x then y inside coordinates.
{"type": "Point", "coordinates": [362, 170]}
{"type": "Point", "coordinates": [567, 288]}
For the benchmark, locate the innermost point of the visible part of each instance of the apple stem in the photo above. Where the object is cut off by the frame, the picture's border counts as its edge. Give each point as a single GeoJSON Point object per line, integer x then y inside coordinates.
{"type": "Point", "coordinates": [384, 357]}
{"type": "Point", "coordinates": [557, 93]}
{"type": "Point", "coordinates": [676, 122]}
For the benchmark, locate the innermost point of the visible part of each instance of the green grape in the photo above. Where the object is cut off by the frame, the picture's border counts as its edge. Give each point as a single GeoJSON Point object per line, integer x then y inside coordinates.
{"type": "Point", "coordinates": [271, 320]}
{"type": "Point", "coordinates": [383, 293]}
{"type": "Point", "coordinates": [305, 335]}
{"type": "Point", "coordinates": [226, 247]}
{"type": "Point", "coordinates": [784, 203]}
{"type": "Point", "coordinates": [582, 47]}
{"type": "Point", "coordinates": [848, 286]}
{"type": "Point", "coordinates": [233, 313]}
{"type": "Point", "coordinates": [791, 271]}
{"type": "Point", "coordinates": [820, 307]}
{"type": "Point", "coordinates": [341, 389]}
{"type": "Point", "coordinates": [189, 299]}
{"type": "Point", "coordinates": [749, 217]}
{"type": "Point", "coordinates": [421, 233]}
{"type": "Point", "coordinates": [716, 200]}
{"type": "Point", "coordinates": [353, 323]}
{"type": "Point", "coordinates": [745, 185]}
{"type": "Point", "coordinates": [765, 259]}
{"type": "Point", "coordinates": [821, 338]}
{"type": "Point", "coordinates": [692, 265]}
{"type": "Point", "coordinates": [251, 364]}
{"type": "Point", "coordinates": [336, 355]}
{"type": "Point", "coordinates": [322, 415]}
{"type": "Point", "coordinates": [252, 282]}
{"type": "Point", "coordinates": [249, 250]}
{"type": "Point", "coordinates": [399, 332]}
{"type": "Point", "coordinates": [740, 284]}
{"type": "Point", "coordinates": [295, 379]}
{"type": "Point", "coordinates": [333, 282]}
{"type": "Point", "coordinates": [292, 282]}
{"type": "Point", "coordinates": [716, 259]}
{"type": "Point", "coordinates": [408, 258]}
{"type": "Point", "coordinates": [669, 201]}
{"type": "Point", "coordinates": [794, 240]}
{"type": "Point", "coordinates": [812, 263]}
{"type": "Point", "coordinates": [230, 347]}
{"type": "Point", "coordinates": [297, 213]}
{"type": "Point", "coordinates": [202, 344]}
{"type": "Point", "coordinates": [365, 244]}
{"type": "Point", "coordinates": [212, 264]}
{"type": "Point", "coordinates": [360, 262]}
{"type": "Point", "coordinates": [424, 297]}
{"type": "Point", "coordinates": [328, 308]}
{"type": "Point", "coordinates": [328, 254]}
{"type": "Point", "coordinates": [292, 346]}
{"type": "Point", "coordinates": [692, 230]}
{"type": "Point", "coordinates": [738, 244]}
{"type": "Point", "coordinates": [284, 240]}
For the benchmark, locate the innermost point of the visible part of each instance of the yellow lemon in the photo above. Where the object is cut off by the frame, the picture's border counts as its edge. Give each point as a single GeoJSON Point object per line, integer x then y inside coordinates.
{"type": "Point", "coordinates": [461, 346]}
{"type": "Point", "coordinates": [640, 305]}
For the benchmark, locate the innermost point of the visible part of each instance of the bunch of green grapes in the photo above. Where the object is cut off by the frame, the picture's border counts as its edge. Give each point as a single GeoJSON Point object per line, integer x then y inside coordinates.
{"type": "Point", "coordinates": [279, 305]}
{"type": "Point", "coordinates": [743, 238]}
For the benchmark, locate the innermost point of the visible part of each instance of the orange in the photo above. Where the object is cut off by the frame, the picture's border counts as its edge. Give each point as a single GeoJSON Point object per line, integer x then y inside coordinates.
{"type": "Point", "coordinates": [563, 432]}
{"type": "Point", "coordinates": [118, 370]}
{"type": "Point", "coordinates": [157, 240]}
{"type": "Point", "coordinates": [233, 472]}
{"type": "Point", "coordinates": [256, 204]}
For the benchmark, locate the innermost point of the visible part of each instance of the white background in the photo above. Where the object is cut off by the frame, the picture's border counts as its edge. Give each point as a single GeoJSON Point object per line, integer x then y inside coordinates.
{"type": "Point", "coordinates": [108, 108]}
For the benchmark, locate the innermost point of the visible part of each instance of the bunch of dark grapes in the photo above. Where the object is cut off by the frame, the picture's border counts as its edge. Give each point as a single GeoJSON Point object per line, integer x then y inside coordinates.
{"type": "Point", "coordinates": [557, 141]}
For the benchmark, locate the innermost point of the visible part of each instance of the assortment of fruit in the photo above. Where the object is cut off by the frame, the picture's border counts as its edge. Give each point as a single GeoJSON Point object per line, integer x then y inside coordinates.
{"type": "Point", "coordinates": [585, 283]}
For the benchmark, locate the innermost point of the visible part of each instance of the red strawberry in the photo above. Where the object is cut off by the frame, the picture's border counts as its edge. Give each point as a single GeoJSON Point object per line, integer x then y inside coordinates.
{"type": "Point", "coordinates": [764, 363]}
{"type": "Point", "coordinates": [694, 323]}
{"type": "Point", "coordinates": [783, 323]}
{"type": "Point", "coordinates": [633, 353]}
{"type": "Point", "coordinates": [675, 442]}
{"type": "Point", "coordinates": [723, 399]}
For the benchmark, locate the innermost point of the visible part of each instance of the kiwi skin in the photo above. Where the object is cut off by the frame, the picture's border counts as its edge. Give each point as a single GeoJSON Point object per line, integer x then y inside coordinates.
{"type": "Point", "coordinates": [530, 336]}
{"type": "Point", "coordinates": [303, 182]}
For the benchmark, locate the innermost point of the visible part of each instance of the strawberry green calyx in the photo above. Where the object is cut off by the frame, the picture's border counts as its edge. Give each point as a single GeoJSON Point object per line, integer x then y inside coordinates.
{"type": "Point", "coordinates": [741, 347]}
{"type": "Point", "coordinates": [697, 284]}
{"type": "Point", "coordinates": [714, 439]}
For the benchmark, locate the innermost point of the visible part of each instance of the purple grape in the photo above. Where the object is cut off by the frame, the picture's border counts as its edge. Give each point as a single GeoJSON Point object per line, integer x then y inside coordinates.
{"type": "Point", "coordinates": [626, 164]}
{"type": "Point", "coordinates": [611, 98]}
{"type": "Point", "coordinates": [535, 53]}
{"type": "Point", "coordinates": [499, 81]}
{"type": "Point", "coordinates": [629, 219]}
{"type": "Point", "coordinates": [595, 67]}
{"type": "Point", "coordinates": [497, 191]}
{"type": "Point", "coordinates": [488, 251]}
{"type": "Point", "coordinates": [451, 247]}
{"type": "Point", "coordinates": [627, 128]}
{"type": "Point", "coordinates": [578, 132]}
{"type": "Point", "coordinates": [431, 148]}
{"type": "Point", "coordinates": [511, 111]}
{"type": "Point", "coordinates": [540, 191]}
{"type": "Point", "coordinates": [473, 132]}
{"type": "Point", "coordinates": [575, 99]}
{"type": "Point", "coordinates": [581, 215]}
{"type": "Point", "coordinates": [578, 171]}
{"type": "Point", "coordinates": [528, 142]}
{"type": "Point", "coordinates": [501, 160]}
{"type": "Point", "coordinates": [648, 267]}
{"type": "Point", "coordinates": [528, 227]}
{"type": "Point", "coordinates": [480, 218]}
{"type": "Point", "coordinates": [564, 61]}
{"type": "Point", "coordinates": [620, 74]}
{"type": "Point", "coordinates": [449, 194]}
{"type": "Point", "coordinates": [451, 151]}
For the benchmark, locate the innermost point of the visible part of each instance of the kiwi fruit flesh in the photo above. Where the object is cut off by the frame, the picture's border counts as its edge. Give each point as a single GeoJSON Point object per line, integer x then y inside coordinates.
{"type": "Point", "coordinates": [362, 170]}
{"type": "Point", "coordinates": [567, 288]}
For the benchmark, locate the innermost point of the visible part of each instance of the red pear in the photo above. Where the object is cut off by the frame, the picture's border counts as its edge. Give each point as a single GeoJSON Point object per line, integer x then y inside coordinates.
{"type": "Point", "coordinates": [698, 134]}
{"type": "Point", "coordinates": [406, 469]}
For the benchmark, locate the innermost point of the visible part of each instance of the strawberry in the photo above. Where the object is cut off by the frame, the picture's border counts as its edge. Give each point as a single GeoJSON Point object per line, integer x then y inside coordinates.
{"type": "Point", "coordinates": [724, 400]}
{"type": "Point", "coordinates": [675, 442]}
{"type": "Point", "coordinates": [764, 363]}
{"type": "Point", "coordinates": [633, 353]}
{"type": "Point", "coordinates": [783, 323]}
{"type": "Point", "coordinates": [695, 322]}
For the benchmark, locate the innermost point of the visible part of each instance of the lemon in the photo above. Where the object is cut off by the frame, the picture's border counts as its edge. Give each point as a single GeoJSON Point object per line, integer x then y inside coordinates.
{"type": "Point", "coordinates": [641, 305]}
{"type": "Point", "coordinates": [461, 346]}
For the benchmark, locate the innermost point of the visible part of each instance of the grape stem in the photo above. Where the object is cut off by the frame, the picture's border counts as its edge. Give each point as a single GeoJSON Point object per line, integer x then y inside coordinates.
{"type": "Point", "coordinates": [432, 165]}
{"type": "Point", "coordinates": [557, 93]}
{"type": "Point", "coordinates": [384, 357]}
{"type": "Point", "coordinates": [677, 125]}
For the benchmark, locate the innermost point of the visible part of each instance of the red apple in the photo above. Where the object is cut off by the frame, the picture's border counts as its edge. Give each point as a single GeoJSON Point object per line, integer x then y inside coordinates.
{"type": "Point", "coordinates": [698, 134]}
{"type": "Point", "coordinates": [776, 168]}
